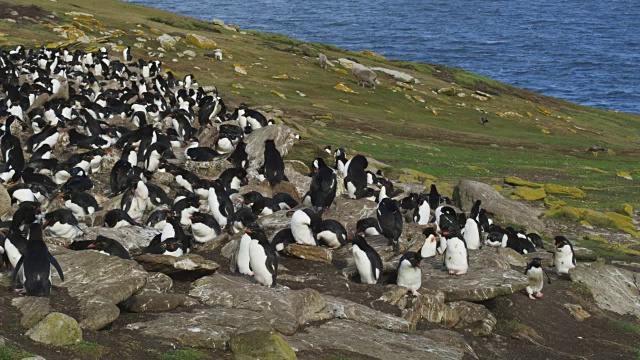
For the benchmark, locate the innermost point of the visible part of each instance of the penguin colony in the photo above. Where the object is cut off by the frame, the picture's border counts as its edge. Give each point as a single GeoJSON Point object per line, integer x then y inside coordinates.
{"type": "Point", "coordinates": [103, 103]}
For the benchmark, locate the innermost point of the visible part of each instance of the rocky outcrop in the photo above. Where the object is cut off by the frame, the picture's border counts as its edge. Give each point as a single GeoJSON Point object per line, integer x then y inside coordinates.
{"type": "Point", "coordinates": [131, 237]}
{"type": "Point", "coordinates": [209, 328]}
{"type": "Point", "coordinates": [284, 309]}
{"type": "Point", "coordinates": [189, 264]}
{"type": "Point", "coordinates": [374, 343]}
{"type": "Point", "coordinates": [613, 288]}
{"type": "Point", "coordinates": [313, 253]}
{"type": "Point", "coordinates": [153, 303]}
{"type": "Point", "coordinates": [56, 329]}
{"type": "Point", "coordinates": [33, 309]}
{"type": "Point", "coordinates": [474, 317]}
{"type": "Point", "coordinates": [345, 309]}
{"type": "Point", "coordinates": [99, 282]}
{"type": "Point", "coordinates": [398, 75]}
{"type": "Point", "coordinates": [504, 210]}
{"type": "Point", "coordinates": [282, 135]}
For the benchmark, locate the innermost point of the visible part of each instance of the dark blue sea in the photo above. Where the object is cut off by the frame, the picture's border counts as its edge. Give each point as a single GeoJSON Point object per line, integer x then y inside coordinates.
{"type": "Point", "coordinates": [585, 51]}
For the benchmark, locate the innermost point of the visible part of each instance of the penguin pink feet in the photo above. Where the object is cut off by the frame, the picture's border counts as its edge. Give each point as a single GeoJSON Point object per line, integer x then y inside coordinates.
{"type": "Point", "coordinates": [531, 297]}
{"type": "Point", "coordinates": [452, 272]}
{"type": "Point", "coordinates": [538, 295]}
{"type": "Point", "coordinates": [21, 291]}
{"type": "Point", "coordinates": [415, 293]}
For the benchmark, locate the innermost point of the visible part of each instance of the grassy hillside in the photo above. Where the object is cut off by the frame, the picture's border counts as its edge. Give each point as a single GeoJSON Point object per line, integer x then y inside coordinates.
{"type": "Point", "coordinates": [432, 126]}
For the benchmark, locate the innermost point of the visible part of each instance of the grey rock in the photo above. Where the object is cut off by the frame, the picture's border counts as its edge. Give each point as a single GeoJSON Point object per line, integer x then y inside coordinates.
{"type": "Point", "coordinates": [5, 278]}
{"type": "Point", "coordinates": [157, 283]}
{"type": "Point", "coordinates": [474, 318]}
{"type": "Point", "coordinates": [313, 253]}
{"type": "Point", "coordinates": [345, 309]}
{"type": "Point", "coordinates": [153, 303]}
{"type": "Point", "coordinates": [504, 210]}
{"type": "Point", "coordinates": [349, 211]}
{"type": "Point", "coordinates": [56, 329]}
{"type": "Point", "coordinates": [260, 344]}
{"type": "Point", "coordinates": [189, 53]}
{"type": "Point", "coordinates": [478, 284]}
{"type": "Point", "coordinates": [191, 264]}
{"type": "Point", "coordinates": [209, 328]}
{"type": "Point", "coordinates": [207, 169]}
{"type": "Point", "coordinates": [512, 257]}
{"type": "Point", "coordinates": [217, 22]}
{"type": "Point", "coordinates": [613, 288]}
{"type": "Point", "coordinates": [5, 201]}
{"type": "Point", "coordinates": [167, 41]}
{"type": "Point", "coordinates": [294, 170]}
{"type": "Point", "coordinates": [584, 254]}
{"type": "Point", "coordinates": [33, 309]}
{"type": "Point", "coordinates": [398, 75]}
{"type": "Point", "coordinates": [372, 342]}
{"type": "Point", "coordinates": [131, 237]}
{"type": "Point", "coordinates": [99, 282]}
{"type": "Point", "coordinates": [282, 135]}
{"type": "Point", "coordinates": [431, 307]}
{"type": "Point", "coordinates": [285, 309]}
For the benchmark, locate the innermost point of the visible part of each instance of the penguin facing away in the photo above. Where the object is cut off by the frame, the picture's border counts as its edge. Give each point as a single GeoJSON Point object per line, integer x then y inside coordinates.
{"type": "Point", "coordinates": [33, 270]}
{"type": "Point", "coordinates": [332, 233]}
{"type": "Point", "coordinates": [409, 272]}
{"type": "Point", "coordinates": [390, 219]}
{"type": "Point", "coordinates": [535, 274]}
{"type": "Point", "coordinates": [273, 163]}
{"type": "Point", "coordinates": [367, 260]}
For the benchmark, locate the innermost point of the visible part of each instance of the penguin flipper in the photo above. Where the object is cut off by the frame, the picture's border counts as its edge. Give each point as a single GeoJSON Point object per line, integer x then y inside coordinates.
{"type": "Point", "coordinates": [55, 264]}
{"type": "Point", "coordinates": [14, 275]}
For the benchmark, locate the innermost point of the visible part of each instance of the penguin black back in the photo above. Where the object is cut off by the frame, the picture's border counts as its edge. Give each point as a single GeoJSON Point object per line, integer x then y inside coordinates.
{"type": "Point", "coordinates": [273, 163]}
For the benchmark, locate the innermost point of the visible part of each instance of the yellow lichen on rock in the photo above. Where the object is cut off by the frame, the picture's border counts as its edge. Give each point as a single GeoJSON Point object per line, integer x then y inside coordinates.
{"type": "Point", "coordinates": [624, 175]}
{"type": "Point", "coordinates": [545, 131]}
{"type": "Point", "coordinates": [278, 94]}
{"type": "Point", "coordinates": [201, 41]}
{"type": "Point", "coordinates": [341, 71]}
{"type": "Point", "coordinates": [595, 169]}
{"type": "Point", "coordinates": [371, 53]}
{"type": "Point", "coordinates": [574, 192]}
{"type": "Point", "coordinates": [543, 110]}
{"type": "Point", "coordinates": [281, 76]}
{"type": "Point", "coordinates": [595, 218]}
{"type": "Point", "coordinates": [240, 69]}
{"type": "Point", "coordinates": [516, 181]}
{"type": "Point", "coordinates": [626, 209]}
{"type": "Point", "coordinates": [345, 88]}
{"type": "Point", "coordinates": [528, 193]}
{"type": "Point", "coordinates": [412, 176]}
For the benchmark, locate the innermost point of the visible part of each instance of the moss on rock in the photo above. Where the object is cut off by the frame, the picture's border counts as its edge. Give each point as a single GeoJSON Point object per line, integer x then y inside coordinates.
{"type": "Point", "coordinates": [516, 181]}
{"type": "Point", "coordinates": [528, 193]}
{"type": "Point", "coordinates": [594, 218]}
{"type": "Point", "coordinates": [626, 209]}
{"type": "Point", "coordinates": [56, 329]}
{"type": "Point", "coordinates": [260, 344]}
{"type": "Point", "coordinates": [574, 192]}
{"type": "Point", "coordinates": [201, 41]}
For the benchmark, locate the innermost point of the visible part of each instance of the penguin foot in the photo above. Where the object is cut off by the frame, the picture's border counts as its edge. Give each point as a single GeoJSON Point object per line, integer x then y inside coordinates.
{"type": "Point", "coordinates": [415, 293]}
{"type": "Point", "coordinates": [539, 295]}
{"type": "Point", "coordinates": [452, 272]}
{"type": "Point", "coordinates": [21, 291]}
{"type": "Point", "coordinates": [531, 297]}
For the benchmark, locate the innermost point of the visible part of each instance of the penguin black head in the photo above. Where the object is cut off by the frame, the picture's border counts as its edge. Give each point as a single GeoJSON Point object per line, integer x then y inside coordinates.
{"type": "Point", "coordinates": [561, 241]}
{"type": "Point", "coordinates": [536, 262]}
{"type": "Point", "coordinates": [428, 231]}
{"type": "Point", "coordinates": [414, 258]}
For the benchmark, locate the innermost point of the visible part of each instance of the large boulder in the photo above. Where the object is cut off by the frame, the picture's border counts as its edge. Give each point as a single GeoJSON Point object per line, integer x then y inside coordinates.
{"type": "Point", "coordinates": [474, 317]}
{"type": "Point", "coordinates": [504, 210]}
{"type": "Point", "coordinates": [345, 309]}
{"type": "Point", "coordinates": [349, 211]}
{"type": "Point", "coordinates": [33, 309]}
{"type": "Point", "coordinates": [613, 288]}
{"type": "Point", "coordinates": [56, 329]}
{"type": "Point", "coordinates": [131, 237]}
{"type": "Point", "coordinates": [282, 135]}
{"type": "Point", "coordinates": [374, 343]}
{"type": "Point", "coordinates": [398, 75]}
{"type": "Point", "coordinates": [209, 328]}
{"type": "Point", "coordinates": [99, 282]}
{"type": "Point", "coordinates": [285, 309]}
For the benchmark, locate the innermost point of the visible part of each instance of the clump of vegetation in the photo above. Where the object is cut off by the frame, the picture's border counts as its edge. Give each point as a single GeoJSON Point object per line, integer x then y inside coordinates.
{"type": "Point", "coordinates": [183, 354]}
{"type": "Point", "coordinates": [9, 352]}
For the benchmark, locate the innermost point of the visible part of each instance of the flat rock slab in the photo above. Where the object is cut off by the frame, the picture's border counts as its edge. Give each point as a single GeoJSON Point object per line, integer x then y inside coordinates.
{"type": "Point", "coordinates": [282, 135]}
{"type": "Point", "coordinates": [371, 342]}
{"type": "Point", "coordinates": [209, 328]}
{"type": "Point", "coordinates": [285, 309]}
{"type": "Point", "coordinates": [313, 253]}
{"type": "Point", "coordinates": [99, 282]}
{"type": "Point", "coordinates": [478, 284]}
{"type": "Point", "coordinates": [613, 288]}
{"type": "Point", "coordinates": [345, 309]}
{"type": "Point", "coordinates": [505, 210]}
{"type": "Point", "coordinates": [191, 264]}
{"type": "Point", "coordinates": [131, 237]}
{"type": "Point", "coordinates": [349, 211]}
{"type": "Point", "coordinates": [153, 303]}
{"type": "Point", "coordinates": [157, 283]}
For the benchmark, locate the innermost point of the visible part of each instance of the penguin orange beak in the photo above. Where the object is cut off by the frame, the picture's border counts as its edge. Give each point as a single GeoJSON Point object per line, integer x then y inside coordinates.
{"type": "Point", "coordinates": [91, 246]}
{"type": "Point", "coordinates": [45, 223]}
{"type": "Point", "coordinates": [248, 231]}
{"type": "Point", "coordinates": [190, 217]}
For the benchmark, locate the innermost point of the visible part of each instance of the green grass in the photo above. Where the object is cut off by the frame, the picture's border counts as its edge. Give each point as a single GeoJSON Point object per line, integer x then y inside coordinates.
{"type": "Point", "coordinates": [89, 350]}
{"type": "Point", "coordinates": [9, 352]}
{"type": "Point", "coordinates": [605, 251]}
{"type": "Point", "coordinates": [635, 328]}
{"type": "Point", "coordinates": [184, 354]}
{"type": "Point", "coordinates": [636, 353]}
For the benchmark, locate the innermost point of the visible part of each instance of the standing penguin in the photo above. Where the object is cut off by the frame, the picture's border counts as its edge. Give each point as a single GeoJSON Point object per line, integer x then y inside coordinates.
{"type": "Point", "coordinates": [220, 204]}
{"type": "Point", "coordinates": [262, 257]}
{"type": "Point", "coordinates": [473, 234]}
{"type": "Point", "coordinates": [390, 219]}
{"type": "Point", "coordinates": [422, 211]}
{"type": "Point", "coordinates": [33, 270]}
{"type": "Point", "coordinates": [367, 260]}
{"type": "Point", "coordinates": [273, 163]}
{"type": "Point", "coordinates": [304, 223]}
{"type": "Point", "coordinates": [409, 272]}
{"type": "Point", "coordinates": [564, 258]}
{"type": "Point", "coordinates": [430, 243]}
{"type": "Point", "coordinates": [456, 256]}
{"type": "Point", "coordinates": [534, 272]}
{"type": "Point", "coordinates": [323, 185]}
{"type": "Point", "coordinates": [243, 260]}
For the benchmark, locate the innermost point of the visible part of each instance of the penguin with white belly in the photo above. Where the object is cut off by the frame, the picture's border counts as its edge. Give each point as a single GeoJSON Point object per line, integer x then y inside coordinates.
{"type": "Point", "coordinates": [473, 234]}
{"type": "Point", "coordinates": [304, 224]}
{"type": "Point", "coordinates": [61, 223]}
{"type": "Point", "coordinates": [262, 257]}
{"type": "Point", "coordinates": [332, 233]}
{"type": "Point", "coordinates": [367, 260]}
{"type": "Point", "coordinates": [564, 258]}
{"type": "Point", "coordinates": [456, 255]}
{"type": "Point", "coordinates": [430, 243]}
{"type": "Point", "coordinates": [535, 274]}
{"type": "Point", "coordinates": [409, 272]}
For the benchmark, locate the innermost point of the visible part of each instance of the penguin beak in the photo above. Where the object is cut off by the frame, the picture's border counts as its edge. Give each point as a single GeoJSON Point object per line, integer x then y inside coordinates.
{"type": "Point", "coordinates": [91, 246]}
{"type": "Point", "coordinates": [248, 231]}
{"type": "Point", "coordinates": [45, 223]}
{"type": "Point", "coordinates": [190, 217]}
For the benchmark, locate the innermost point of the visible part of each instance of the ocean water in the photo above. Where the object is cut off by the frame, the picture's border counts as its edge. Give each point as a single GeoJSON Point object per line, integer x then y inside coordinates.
{"type": "Point", "coordinates": [584, 51]}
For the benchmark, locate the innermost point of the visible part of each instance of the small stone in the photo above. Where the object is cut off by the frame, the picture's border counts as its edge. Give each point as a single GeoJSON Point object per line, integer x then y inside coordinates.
{"type": "Point", "coordinates": [217, 22]}
{"type": "Point", "coordinates": [189, 53]}
{"type": "Point", "coordinates": [577, 311]}
{"type": "Point", "coordinates": [313, 253]}
{"type": "Point", "coordinates": [240, 69]}
{"type": "Point", "coordinates": [167, 41]}
{"type": "Point", "coordinates": [201, 41]}
{"type": "Point", "coordinates": [56, 329]}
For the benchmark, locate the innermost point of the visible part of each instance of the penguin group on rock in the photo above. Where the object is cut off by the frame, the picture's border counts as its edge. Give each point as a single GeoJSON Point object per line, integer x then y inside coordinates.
{"type": "Point", "coordinates": [71, 116]}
